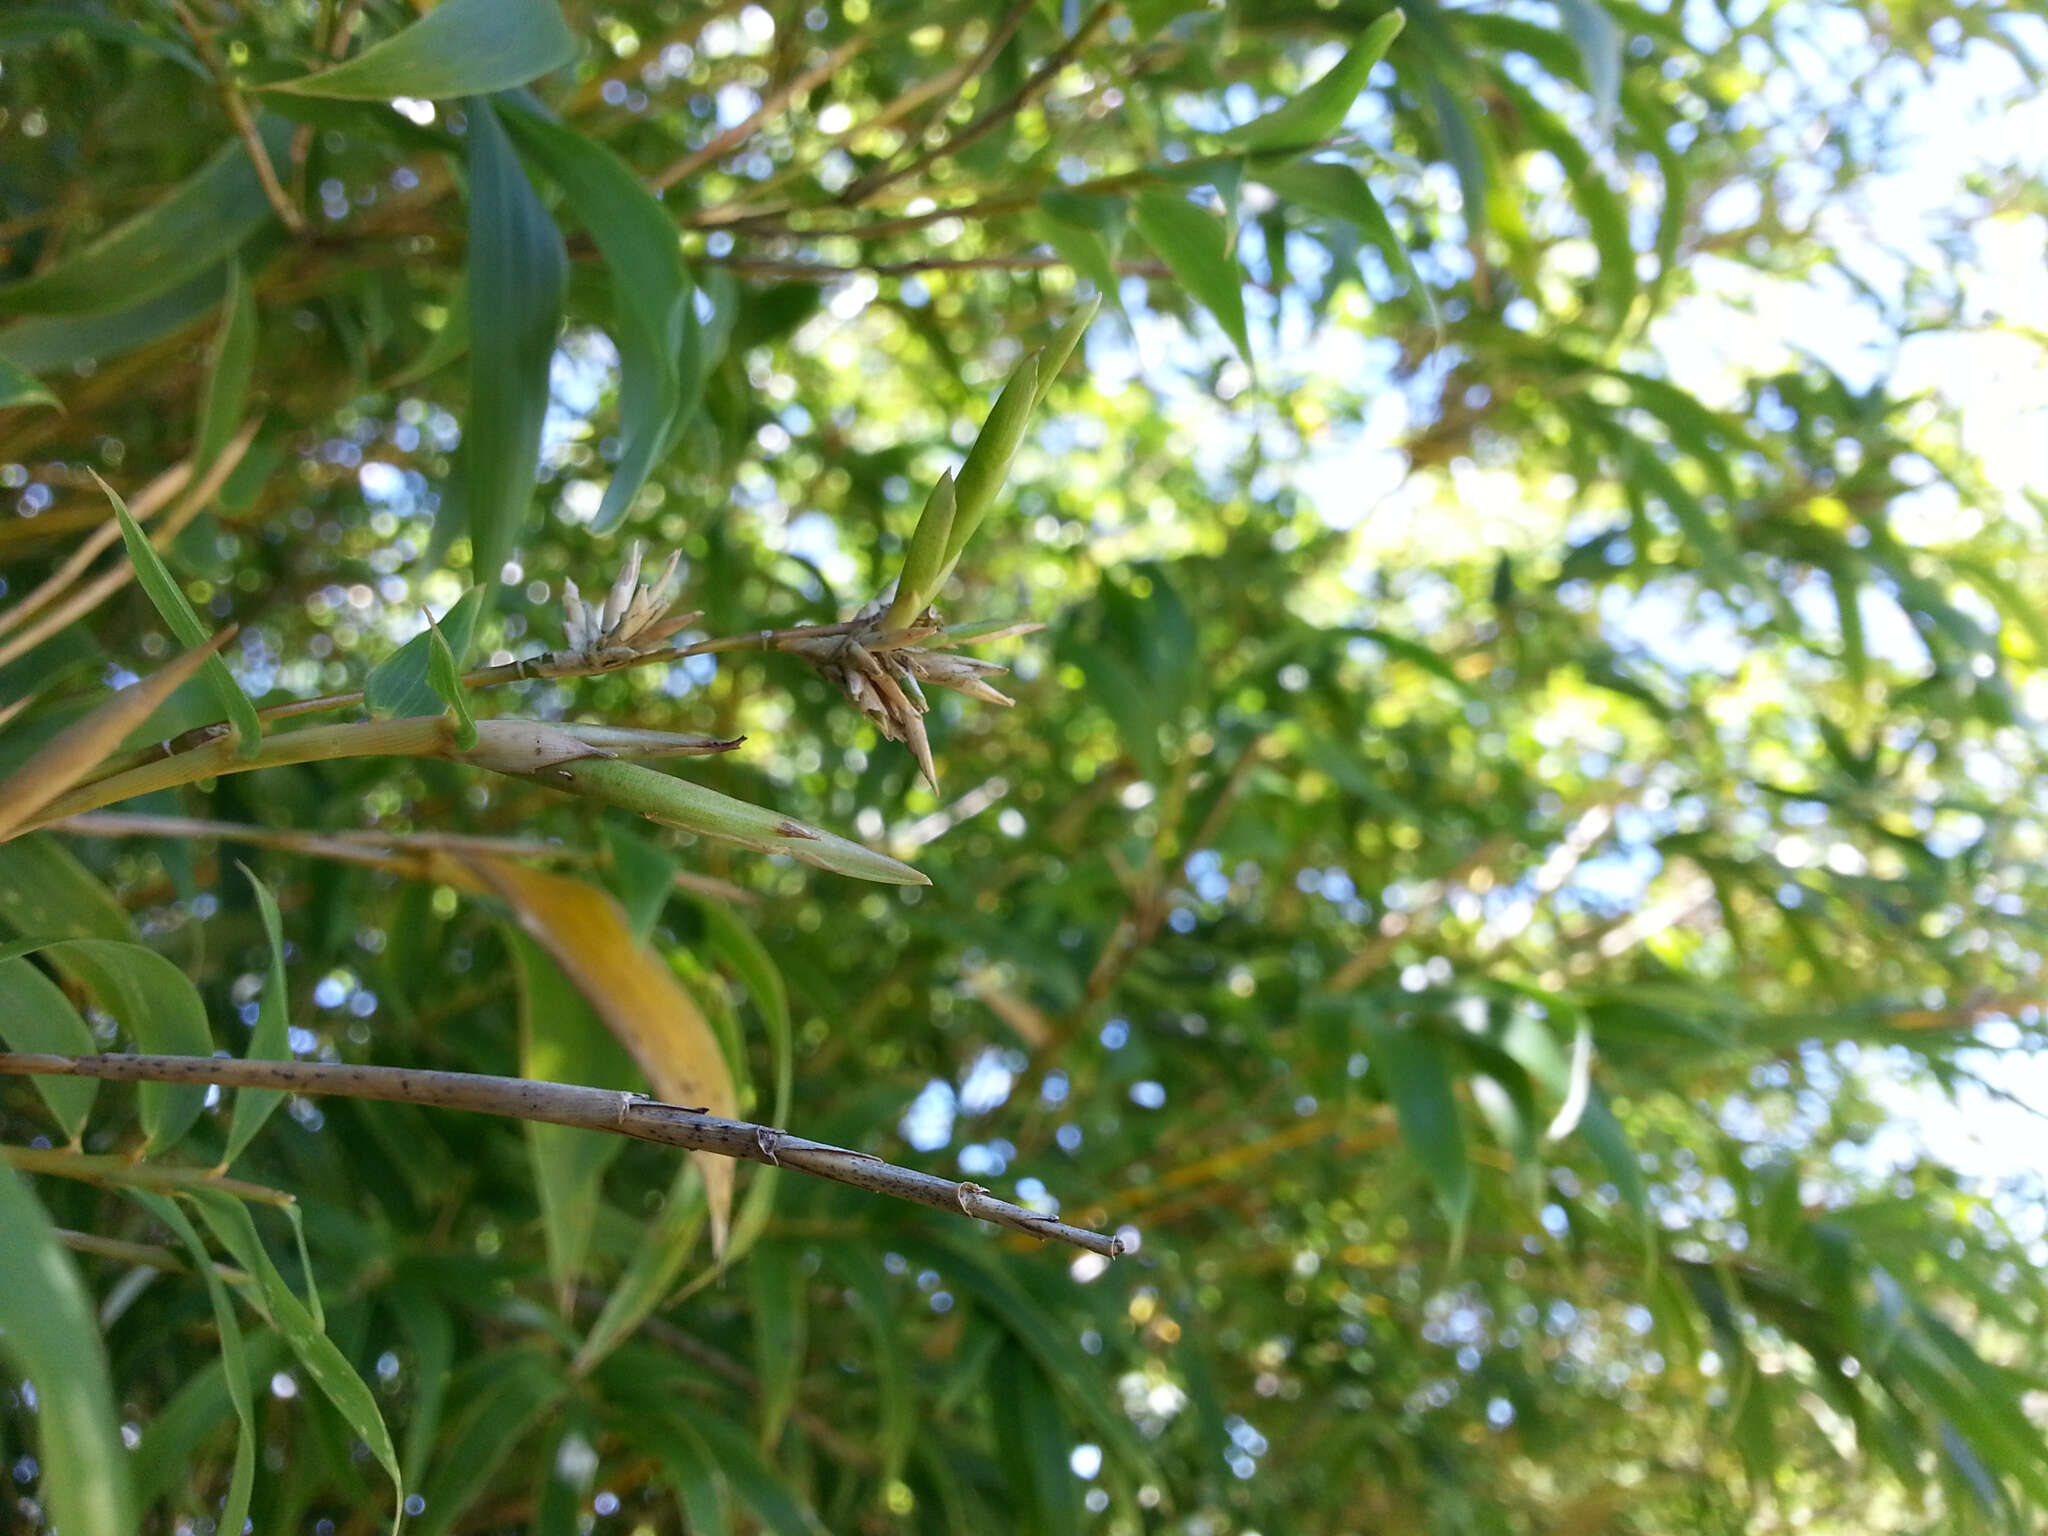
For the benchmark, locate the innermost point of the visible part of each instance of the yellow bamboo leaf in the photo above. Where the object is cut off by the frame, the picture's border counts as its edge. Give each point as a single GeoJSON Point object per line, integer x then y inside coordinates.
{"type": "Point", "coordinates": [636, 995]}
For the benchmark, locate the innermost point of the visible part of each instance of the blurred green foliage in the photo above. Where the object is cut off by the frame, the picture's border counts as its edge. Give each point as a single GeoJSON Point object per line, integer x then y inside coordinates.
{"type": "Point", "coordinates": [1495, 857]}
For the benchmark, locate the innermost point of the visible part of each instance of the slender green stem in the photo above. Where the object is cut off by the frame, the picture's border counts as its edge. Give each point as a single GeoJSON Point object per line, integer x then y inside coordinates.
{"type": "Point", "coordinates": [103, 1168]}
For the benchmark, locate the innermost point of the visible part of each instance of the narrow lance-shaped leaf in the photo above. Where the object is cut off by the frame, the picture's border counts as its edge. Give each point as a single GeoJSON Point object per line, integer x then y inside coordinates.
{"type": "Point", "coordinates": [271, 1040]}
{"type": "Point", "coordinates": [776, 1290]}
{"type": "Point", "coordinates": [1317, 111]}
{"type": "Point", "coordinates": [1415, 1069]}
{"type": "Point", "coordinates": [46, 893]}
{"type": "Point", "coordinates": [47, 1333]}
{"type": "Point", "coordinates": [670, 1239]}
{"type": "Point", "coordinates": [19, 387]}
{"type": "Point", "coordinates": [400, 684]}
{"type": "Point", "coordinates": [460, 48]}
{"type": "Point", "coordinates": [493, 1421]}
{"type": "Point", "coordinates": [1342, 192]}
{"type": "Point", "coordinates": [735, 944]}
{"type": "Point", "coordinates": [329, 1369]}
{"type": "Point", "coordinates": [35, 1015]}
{"type": "Point", "coordinates": [176, 611]}
{"type": "Point", "coordinates": [204, 221]}
{"type": "Point", "coordinates": [651, 291]}
{"type": "Point", "coordinates": [1194, 245]}
{"type": "Point", "coordinates": [229, 366]}
{"type": "Point", "coordinates": [518, 272]}
{"type": "Point", "coordinates": [233, 1354]}
{"type": "Point", "coordinates": [1599, 40]}
{"type": "Point", "coordinates": [152, 999]}
{"type": "Point", "coordinates": [561, 1040]}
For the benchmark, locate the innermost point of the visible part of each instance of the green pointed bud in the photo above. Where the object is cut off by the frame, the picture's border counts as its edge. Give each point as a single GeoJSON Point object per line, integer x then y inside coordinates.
{"type": "Point", "coordinates": [444, 676]}
{"type": "Point", "coordinates": [1055, 356]}
{"type": "Point", "coordinates": [988, 461]}
{"type": "Point", "coordinates": [919, 583]}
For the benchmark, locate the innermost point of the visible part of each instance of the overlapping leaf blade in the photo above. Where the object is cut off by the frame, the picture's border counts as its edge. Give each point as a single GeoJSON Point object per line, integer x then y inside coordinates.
{"type": "Point", "coordinates": [460, 48]}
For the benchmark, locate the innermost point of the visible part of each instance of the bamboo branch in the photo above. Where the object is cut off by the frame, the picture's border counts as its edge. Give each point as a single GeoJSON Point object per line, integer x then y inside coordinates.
{"type": "Point", "coordinates": [595, 1109]}
{"type": "Point", "coordinates": [773, 103]}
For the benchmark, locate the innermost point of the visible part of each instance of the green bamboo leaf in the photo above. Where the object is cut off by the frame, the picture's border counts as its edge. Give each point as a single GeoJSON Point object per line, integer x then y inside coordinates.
{"type": "Point", "coordinates": [179, 1430]}
{"type": "Point", "coordinates": [400, 686]}
{"type": "Point", "coordinates": [651, 289]}
{"type": "Point", "coordinates": [755, 1481]}
{"type": "Point", "coordinates": [561, 1040]}
{"type": "Point", "coordinates": [518, 272]}
{"type": "Point", "coordinates": [234, 1355]}
{"type": "Point", "coordinates": [1599, 42]}
{"type": "Point", "coordinates": [176, 611]}
{"type": "Point", "coordinates": [270, 1040]}
{"type": "Point", "coordinates": [988, 461]}
{"type": "Point", "coordinates": [460, 48]}
{"type": "Point", "coordinates": [1414, 1068]}
{"type": "Point", "coordinates": [19, 387]}
{"type": "Point", "coordinates": [570, 1469]}
{"type": "Point", "coordinates": [46, 893]}
{"type": "Point", "coordinates": [40, 23]}
{"type": "Point", "coordinates": [1032, 1442]}
{"type": "Point", "coordinates": [926, 557]}
{"type": "Point", "coordinates": [155, 1003]}
{"type": "Point", "coordinates": [1054, 358]}
{"type": "Point", "coordinates": [1026, 1320]}
{"type": "Point", "coordinates": [229, 366]}
{"type": "Point", "coordinates": [642, 876]}
{"type": "Point", "coordinates": [733, 943]}
{"type": "Point", "coordinates": [863, 1275]}
{"type": "Point", "coordinates": [197, 227]}
{"type": "Point", "coordinates": [432, 1337]}
{"type": "Point", "coordinates": [1194, 245]}
{"type": "Point", "coordinates": [1087, 252]}
{"type": "Point", "coordinates": [677, 802]}
{"type": "Point", "coordinates": [1603, 1133]}
{"type": "Point", "coordinates": [671, 1238]}
{"type": "Point", "coordinates": [692, 1472]}
{"type": "Point", "coordinates": [444, 346]}
{"type": "Point", "coordinates": [776, 1292]}
{"type": "Point", "coordinates": [1460, 141]}
{"type": "Point", "coordinates": [522, 1386]}
{"type": "Point", "coordinates": [1341, 192]}
{"type": "Point", "coordinates": [47, 1333]}
{"type": "Point", "coordinates": [35, 1015]}
{"type": "Point", "coordinates": [1317, 110]}
{"type": "Point", "coordinates": [323, 1361]}
{"type": "Point", "coordinates": [52, 343]}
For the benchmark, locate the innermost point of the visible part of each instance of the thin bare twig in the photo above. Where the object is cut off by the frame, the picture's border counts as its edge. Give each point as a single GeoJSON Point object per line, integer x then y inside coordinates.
{"type": "Point", "coordinates": [824, 272]}
{"type": "Point", "coordinates": [352, 846]}
{"type": "Point", "coordinates": [105, 1168]}
{"type": "Point", "coordinates": [771, 104]}
{"type": "Point", "coordinates": [1041, 79]}
{"type": "Point", "coordinates": [950, 84]}
{"type": "Point", "coordinates": [595, 1109]}
{"type": "Point", "coordinates": [239, 114]}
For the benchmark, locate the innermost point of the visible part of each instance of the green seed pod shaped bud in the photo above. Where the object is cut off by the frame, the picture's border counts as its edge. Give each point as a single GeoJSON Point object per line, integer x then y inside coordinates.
{"type": "Point", "coordinates": [988, 461]}
{"type": "Point", "coordinates": [919, 583]}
